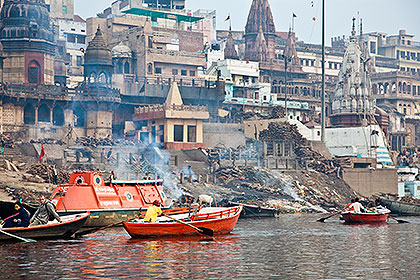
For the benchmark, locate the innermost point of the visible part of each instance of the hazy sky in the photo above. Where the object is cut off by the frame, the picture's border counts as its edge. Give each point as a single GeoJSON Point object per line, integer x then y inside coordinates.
{"type": "Point", "coordinates": [378, 15]}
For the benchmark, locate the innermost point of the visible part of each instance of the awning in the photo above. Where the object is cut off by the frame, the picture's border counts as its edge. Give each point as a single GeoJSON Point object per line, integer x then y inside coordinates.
{"type": "Point", "coordinates": [158, 14]}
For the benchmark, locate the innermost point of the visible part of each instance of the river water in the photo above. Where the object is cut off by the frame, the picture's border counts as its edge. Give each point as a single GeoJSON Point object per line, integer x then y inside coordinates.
{"type": "Point", "coordinates": [288, 247]}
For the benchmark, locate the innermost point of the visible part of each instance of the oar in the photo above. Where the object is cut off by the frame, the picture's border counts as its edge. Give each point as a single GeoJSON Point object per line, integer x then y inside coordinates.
{"type": "Point", "coordinates": [17, 237]}
{"type": "Point", "coordinates": [89, 231]}
{"type": "Point", "coordinates": [332, 215]}
{"type": "Point", "coordinates": [201, 230]}
{"type": "Point", "coordinates": [398, 220]}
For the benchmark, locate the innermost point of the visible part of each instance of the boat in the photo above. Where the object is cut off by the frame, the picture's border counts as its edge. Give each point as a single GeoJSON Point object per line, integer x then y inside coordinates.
{"type": "Point", "coordinates": [378, 216]}
{"type": "Point", "coordinates": [53, 230]}
{"type": "Point", "coordinates": [399, 207]}
{"type": "Point", "coordinates": [221, 220]}
{"type": "Point", "coordinates": [108, 202]}
{"type": "Point", "coordinates": [254, 211]}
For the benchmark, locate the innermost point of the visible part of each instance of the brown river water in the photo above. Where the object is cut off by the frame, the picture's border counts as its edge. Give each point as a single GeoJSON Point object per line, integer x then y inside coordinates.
{"type": "Point", "coordinates": [288, 247]}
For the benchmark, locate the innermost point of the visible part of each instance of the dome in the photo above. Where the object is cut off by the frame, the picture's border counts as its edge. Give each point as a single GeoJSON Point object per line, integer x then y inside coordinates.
{"type": "Point", "coordinates": [97, 53]}
{"type": "Point", "coordinates": [121, 51]}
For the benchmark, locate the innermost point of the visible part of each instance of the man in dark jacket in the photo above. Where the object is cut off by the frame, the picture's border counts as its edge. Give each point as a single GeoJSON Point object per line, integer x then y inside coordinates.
{"type": "Point", "coordinates": [44, 212]}
{"type": "Point", "coordinates": [20, 219]}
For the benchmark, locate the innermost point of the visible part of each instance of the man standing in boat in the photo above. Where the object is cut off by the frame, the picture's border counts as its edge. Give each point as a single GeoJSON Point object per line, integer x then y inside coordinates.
{"type": "Point", "coordinates": [44, 212]}
{"type": "Point", "coordinates": [153, 212]}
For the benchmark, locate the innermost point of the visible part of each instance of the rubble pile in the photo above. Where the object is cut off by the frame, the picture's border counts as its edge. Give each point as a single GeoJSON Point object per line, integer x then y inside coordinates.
{"type": "Point", "coordinates": [245, 173]}
{"type": "Point", "coordinates": [409, 199]}
{"type": "Point", "coordinates": [51, 141]}
{"type": "Point", "coordinates": [90, 141]}
{"type": "Point", "coordinates": [305, 155]}
{"type": "Point", "coordinates": [28, 196]}
{"type": "Point", "coordinates": [46, 171]}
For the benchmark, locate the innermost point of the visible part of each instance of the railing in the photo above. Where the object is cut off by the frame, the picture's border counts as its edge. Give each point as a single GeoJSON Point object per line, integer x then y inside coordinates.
{"type": "Point", "coordinates": [216, 215]}
{"type": "Point", "coordinates": [170, 107]}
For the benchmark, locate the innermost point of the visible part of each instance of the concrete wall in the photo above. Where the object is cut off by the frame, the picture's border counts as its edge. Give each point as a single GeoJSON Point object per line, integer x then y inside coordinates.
{"type": "Point", "coordinates": [229, 135]}
{"type": "Point", "coordinates": [372, 181]}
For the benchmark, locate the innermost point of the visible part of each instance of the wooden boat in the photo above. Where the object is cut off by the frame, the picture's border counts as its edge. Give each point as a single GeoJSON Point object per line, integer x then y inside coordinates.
{"type": "Point", "coordinates": [221, 220]}
{"type": "Point", "coordinates": [399, 207]}
{"type": "Point", "coordinates": [53, 230]}
{"type": "Point", "coordinates": [379, 216]}
{"type": "Point", "coordinates": [254, 211]}
{"type": "Point", "coordinates": [108, 202]}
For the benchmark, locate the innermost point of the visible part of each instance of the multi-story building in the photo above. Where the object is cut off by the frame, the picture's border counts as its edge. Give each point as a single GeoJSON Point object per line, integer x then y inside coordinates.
{"type": "Point", "coordinates": [62, 9]}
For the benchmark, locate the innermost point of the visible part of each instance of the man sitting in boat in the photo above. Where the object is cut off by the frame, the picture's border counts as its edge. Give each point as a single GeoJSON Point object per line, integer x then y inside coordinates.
{"type": "Point", "coordinates": [46, 211]}
{"type": "Point", "coordinates": [20, 219]}
{"type": "Point", "coordinates": [349, 206]}
{"type": "Point", "coordinates": [357, 206]}
{"type": "Point", "coordinates": [153, 212]}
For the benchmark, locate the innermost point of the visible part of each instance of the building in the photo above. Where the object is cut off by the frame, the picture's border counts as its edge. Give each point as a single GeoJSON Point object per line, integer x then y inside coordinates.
{"type": "Point", "coordinates": [60, 9]}
{"type": "Point", "coordinates": [119, 6]}
{"type": "Point", "coordinates": [172, 124]}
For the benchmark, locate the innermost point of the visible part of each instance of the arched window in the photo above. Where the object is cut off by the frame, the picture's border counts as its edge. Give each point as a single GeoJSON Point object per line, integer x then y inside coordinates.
{"type": "Point", "coordinates": [92, 78]}
{"type": "Point", "coordinates": [126, 68]}
{"type": "Point", "coordinates": [44, 113]}
{"type": "Point", "coordinates": [14, 12]}
{"type": "Point", "coordinates": [34, 73]}
{"type": "Point", "coordinates": [58, 116]}
{"type": "Point", "coordinates": [399, 87]}
{"type": "Point", "coordinates": [29, 114]}
{"type": "Point", "coordinates": [150, 68]}
{"type": "Point", "coordinates": [119, 67]}
{"type": "Point", "coordinates": [102, 78]}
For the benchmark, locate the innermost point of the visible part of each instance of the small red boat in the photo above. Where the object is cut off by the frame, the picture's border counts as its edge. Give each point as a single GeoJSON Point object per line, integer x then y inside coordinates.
{"type": "Point", "coordinates": [53, 230]}
{"type": "Point", "coordinates": [379, 216]}
{"type": "Point", "coordinates": [221, 220]}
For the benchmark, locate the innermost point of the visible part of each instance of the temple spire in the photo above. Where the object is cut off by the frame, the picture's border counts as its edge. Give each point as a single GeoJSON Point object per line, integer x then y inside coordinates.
{"type": "Point", "coordinates": [174, 96]}
{"type": "Point", "coordinates": [230, 51]}
{"type": "Point", "coordinates": [290, 53]}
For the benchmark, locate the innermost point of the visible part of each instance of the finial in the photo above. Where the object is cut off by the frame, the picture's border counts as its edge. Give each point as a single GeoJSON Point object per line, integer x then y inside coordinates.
{"type": "Point", "coordinates": [353, 31]}
{"type": "Point", "coordinates": [361, 27]}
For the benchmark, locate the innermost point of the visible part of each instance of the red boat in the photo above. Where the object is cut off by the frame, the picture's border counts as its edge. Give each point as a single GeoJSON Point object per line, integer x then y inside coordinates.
{"type": "Point", "coordinates": [379, 216]}
{"type": "Point", "coordinates": [221, 220]}
{"type": "Point", "coordinates": [108, 202]}
{"type": "Point", "coordinates": [53, 230]}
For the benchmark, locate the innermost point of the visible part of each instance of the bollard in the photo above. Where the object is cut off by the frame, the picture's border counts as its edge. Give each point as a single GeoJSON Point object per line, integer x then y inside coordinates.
{"type": "Point", "coordinates": [181, 178]}
{"type": "Point", "coordinates": [199, 178]}
{"type": "Point", "coordinates": [207, 178]}
{"type": "Point", "coordinates": [214, 179]}
{"type": "Point", "coordinates": [190, 178]}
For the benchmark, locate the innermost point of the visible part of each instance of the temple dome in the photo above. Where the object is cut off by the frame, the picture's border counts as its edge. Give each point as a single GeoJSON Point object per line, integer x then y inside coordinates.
{"type": "Point", "coordinates": [97, 52]}
{"type": "Point", "coordinates": [121, 51]}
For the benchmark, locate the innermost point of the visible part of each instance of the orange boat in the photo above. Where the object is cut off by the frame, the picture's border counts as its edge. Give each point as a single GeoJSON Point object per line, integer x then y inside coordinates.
{"type": "Point", "coordinates": [221, 220]}
{"type": "Point", "coordinates": [108, 202]}
{"type": "Point", "coordinates": [379, 216]}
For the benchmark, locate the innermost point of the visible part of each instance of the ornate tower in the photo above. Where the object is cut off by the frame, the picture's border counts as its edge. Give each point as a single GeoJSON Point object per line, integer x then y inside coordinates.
{"type": "Point", "coordinates": [291, 55]}
{"type": "Point", "coordinates": [353, 100]}
{"type": "Point", "coordinates": [230, 51]}
{"type": "Point", "coordinates": [98, 61]}
{"type": "Point", "coordinates": [260, 16]}
{"type": "Point", "coordinates": [28, 42]}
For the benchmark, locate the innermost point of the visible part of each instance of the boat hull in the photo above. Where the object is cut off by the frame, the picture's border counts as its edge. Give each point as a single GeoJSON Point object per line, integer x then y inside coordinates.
{"type": "Point", "coordinates": [254, 211]}
{"type": "Point", "coordinates": [365, 218]}
{"type": "Point", "coordinates": [223, 225]}
{"type": "Point", "coordinates": [400, 208]}
{"type": "Point", "coordinates": [49, 231]}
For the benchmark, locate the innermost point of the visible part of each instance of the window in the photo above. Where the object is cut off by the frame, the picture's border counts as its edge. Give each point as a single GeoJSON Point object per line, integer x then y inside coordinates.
{"type": "Point", "coordinates": [312, 62]}
{"type": "Point", "coordinates": [34, 71]}
{"type": "Point", "coordinates": [174, 71]}
{"type": "Point", "coordinates": [178, 133]}
{"type": "Point", "coordinates": [79, 60]}
{"type": "Point", "coordinates": [192, 73]}
{"type": "Point", "coordinates": [73, 29]}
{"type": "Point", "coordinates": [126, 68]}
{"type": "Point", "coordinates": [64, 9]}
{"type": "Point", "coordinates": [403, 42]}
{"type": "Point", "coordinates": [81, 39]}
{"type": "Point", "coordinates": [183, 72]}
{"type": "Point", "coordinates": [150, 68]}
{"type": "Point", "coordinates": [408, 42]}
{"type": "Point", "coordinates": [158, 70]}
{"type": "Point", "coordinates": [71, 38]}
{"type": "Point", "coordinates": [192, 133]}
{"type": "Point", "coordinates": [372, 47]}
{"type": "Point", "coordinates": [48, 7]}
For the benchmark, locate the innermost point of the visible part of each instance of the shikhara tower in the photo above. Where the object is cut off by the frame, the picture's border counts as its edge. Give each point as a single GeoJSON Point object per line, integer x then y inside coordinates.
{"type": "Point", "coordinates": [353, 100]}
{"type": "Point", "coordinates": [260, 29]}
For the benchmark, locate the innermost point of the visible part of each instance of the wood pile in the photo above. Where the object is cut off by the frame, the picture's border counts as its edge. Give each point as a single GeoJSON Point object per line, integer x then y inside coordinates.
{"type": "Point", "coordinates": [304, 153]}
{"type": "Point", "coordinates": [51, 141]}
{"type": "Point", "coordinates": [90, 141]}
{"type": "Point", "coordinates": [45, 171]}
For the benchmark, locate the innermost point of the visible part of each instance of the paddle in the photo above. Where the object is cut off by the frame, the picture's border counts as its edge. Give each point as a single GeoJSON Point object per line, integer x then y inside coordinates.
{"type": "Point", "coordinates": [398, 220]}
{"type": "Point", "coordinates": [17, 237]}
{"type": "Point", "coordinates": [201, 230]}
{"type": "Point", "coordinates": [89, 231]}
{"type": "Point", "coordinates": [335, 214]}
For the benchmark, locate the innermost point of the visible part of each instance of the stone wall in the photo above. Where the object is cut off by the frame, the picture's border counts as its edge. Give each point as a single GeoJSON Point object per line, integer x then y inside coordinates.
{"type": "Point", "coordinates": [228, 135]}
{"type": "Point", "coordinates": [368, 182]}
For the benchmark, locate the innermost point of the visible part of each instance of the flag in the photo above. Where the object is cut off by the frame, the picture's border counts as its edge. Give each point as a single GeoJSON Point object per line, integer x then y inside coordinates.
{"type": "Point", "coordinates": [313, 18]}
{"type": "Point", "coordinates": [42, 154]}
{"type": "Point", "coordinates": [228, 18]}
{"type": "Point", "coordinates": [294, 15]}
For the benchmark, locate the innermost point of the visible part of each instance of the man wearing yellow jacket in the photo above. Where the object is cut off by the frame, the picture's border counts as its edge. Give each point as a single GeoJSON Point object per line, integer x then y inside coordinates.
{"type": "Point", "coordinates": [153, 212]}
